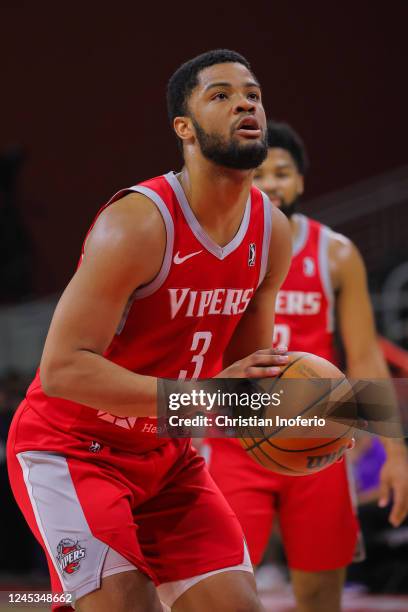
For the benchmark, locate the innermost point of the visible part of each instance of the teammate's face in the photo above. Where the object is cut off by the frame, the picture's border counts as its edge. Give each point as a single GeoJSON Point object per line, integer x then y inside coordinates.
{"type": "Point", "coordinates": [227, 117]}
{"type": "Point", "coordinates": [280, 179]}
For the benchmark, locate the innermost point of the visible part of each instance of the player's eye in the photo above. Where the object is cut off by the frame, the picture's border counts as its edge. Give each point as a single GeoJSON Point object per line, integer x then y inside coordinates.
{"type": "Point", "coordinates": [220, 96]}
{"type": "Point", "coordinates": [254, 96]}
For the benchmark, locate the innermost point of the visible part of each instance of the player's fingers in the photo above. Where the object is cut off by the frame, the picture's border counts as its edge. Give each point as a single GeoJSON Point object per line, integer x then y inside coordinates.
{"type": "Point", "coordinates": [384, 494]}
{"type": "Point", "coordinates": [399, 507]}
{"type": "Point", "coordinates": [267, 360]}
{"type": "Point", "coordinates": [272, 351]}
{"type": "Point", "coordinates": [261, 371]}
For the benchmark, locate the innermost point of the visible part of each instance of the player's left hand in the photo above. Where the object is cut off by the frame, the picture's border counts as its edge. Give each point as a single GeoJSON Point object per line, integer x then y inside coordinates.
{"type": "Point", "coordinates": [394, 480]}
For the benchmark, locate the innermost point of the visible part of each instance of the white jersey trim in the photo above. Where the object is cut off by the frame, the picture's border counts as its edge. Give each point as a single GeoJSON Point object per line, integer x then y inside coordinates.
{"type": "Point", "coordinates": [302, 235]}
{"type": "Point", "coordinates": [267, 206]}
{"type": "Point", "coordinates": [202, 237]}
{"type": "Point", "coordinates": [163, 273]}
{"type": "Point", "coordinates": [323, 257]}
{"type": "Point", "coordinates": [158, 281]}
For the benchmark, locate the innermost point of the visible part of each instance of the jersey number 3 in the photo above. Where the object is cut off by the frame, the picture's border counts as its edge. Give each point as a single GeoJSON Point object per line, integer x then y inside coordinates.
{"type": "Point", "coordinates": [200, 345]}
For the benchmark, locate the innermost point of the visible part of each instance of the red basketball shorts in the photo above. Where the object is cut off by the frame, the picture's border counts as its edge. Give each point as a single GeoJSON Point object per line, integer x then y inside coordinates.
{"type": "Point", "coordinates": [317, 520]}
{"type": "Point", "coordinates": [159, 510]}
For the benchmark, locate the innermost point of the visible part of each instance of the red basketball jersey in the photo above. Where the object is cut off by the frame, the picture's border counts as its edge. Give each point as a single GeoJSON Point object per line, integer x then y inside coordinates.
{"type": "Point", "coordinates": [305, 315]}
{"type": "Point", "coordinates": [178, 325]}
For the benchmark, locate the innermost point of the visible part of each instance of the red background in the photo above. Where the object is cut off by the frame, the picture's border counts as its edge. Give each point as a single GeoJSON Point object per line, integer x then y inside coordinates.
{"type": "Point", "coordinates": [84, 93]}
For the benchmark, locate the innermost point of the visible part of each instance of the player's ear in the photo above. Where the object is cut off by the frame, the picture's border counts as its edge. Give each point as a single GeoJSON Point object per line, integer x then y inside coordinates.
{"type": "Point", "coordinates": [183, 128]}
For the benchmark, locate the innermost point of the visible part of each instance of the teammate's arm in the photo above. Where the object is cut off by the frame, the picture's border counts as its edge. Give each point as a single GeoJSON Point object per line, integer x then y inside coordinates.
{"type": "Point", "coordinates": [364, 359]}
{"type": "Point", "coordinates": [254, 332]}
{"type": "Point", "coordinates": [124, 250]}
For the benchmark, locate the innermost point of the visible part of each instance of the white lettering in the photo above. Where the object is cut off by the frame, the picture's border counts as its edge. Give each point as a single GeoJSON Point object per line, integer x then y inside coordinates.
{"type": "Point", "coordinates": [216, 299]}
{"type": "Point", "coordinates": [209, 302]}
{"type": "Point", "coordinates": [205, 300]}
{"type": "Point", "coordinates": [246, 298]}
{"type": "Point", "coordinates": [193, 296]}
{"type": "Point", "coordinates": [298, 303]}
{"type": "Point", "coordinates": [175, 302]}
{"type": "Point", "coordinates": [232, 301]}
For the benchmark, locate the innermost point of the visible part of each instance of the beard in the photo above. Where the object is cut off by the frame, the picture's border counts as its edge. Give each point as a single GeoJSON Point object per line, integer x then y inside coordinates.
{"type": "Point", "coordinates": [230, 154]}
{"type": "Point", "coordinates": [291, 208]}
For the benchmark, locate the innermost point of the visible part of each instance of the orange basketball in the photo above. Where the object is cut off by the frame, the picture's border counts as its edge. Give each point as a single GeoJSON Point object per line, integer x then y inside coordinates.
{"type": "Point", "coordinates": [313, 390]}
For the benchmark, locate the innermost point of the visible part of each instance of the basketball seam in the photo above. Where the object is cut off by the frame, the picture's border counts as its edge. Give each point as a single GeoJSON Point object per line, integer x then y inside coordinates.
{"type": "Point", "coordinates": [302, 450]}
{"type": "Point", "coordinates": [290, 469]}
{"type": "Point", "coordinates": [297, 450]}
{"type": "Point", "coordinates": [267, 438]}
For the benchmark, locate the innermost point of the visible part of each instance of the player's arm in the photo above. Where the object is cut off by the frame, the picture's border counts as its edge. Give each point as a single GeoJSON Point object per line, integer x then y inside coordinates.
{"type": "Point", "coordinates": [124, 250]}
{"type": "Point", "coordinates": [364, 359]}
{"type": "Point", "coordinates": [254, 332]}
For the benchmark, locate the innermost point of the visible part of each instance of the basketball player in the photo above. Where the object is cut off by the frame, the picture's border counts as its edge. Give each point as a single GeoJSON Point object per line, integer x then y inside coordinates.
{"type": "Point", "coordinates": [168, 271]}
{"type": "Point", "coordinates": [317, 520]}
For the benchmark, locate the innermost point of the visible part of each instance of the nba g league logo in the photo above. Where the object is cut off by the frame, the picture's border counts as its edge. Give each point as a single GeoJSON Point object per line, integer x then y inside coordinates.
{"type": "Point", "coordinates": [251, 254]}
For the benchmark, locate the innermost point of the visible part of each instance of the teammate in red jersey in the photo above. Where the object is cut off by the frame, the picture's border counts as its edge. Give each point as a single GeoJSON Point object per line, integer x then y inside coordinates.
{"type": "Point", "coordinates": [317, 521]}
{"type": "Point", "coordinates": [168, 270]}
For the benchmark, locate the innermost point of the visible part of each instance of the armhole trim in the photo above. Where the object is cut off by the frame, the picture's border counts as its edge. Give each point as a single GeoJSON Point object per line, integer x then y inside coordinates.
{"type": "Point", "coordinates": [267, 208]}
{"type": "Point", "coordinates": [163, 273]}
{"type": "Point", "coordinates": [323, 255]}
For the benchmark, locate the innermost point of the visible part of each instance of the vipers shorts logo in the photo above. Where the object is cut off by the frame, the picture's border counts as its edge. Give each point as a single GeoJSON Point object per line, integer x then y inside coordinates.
{"type": "Point", "coordinates": [69, 556]}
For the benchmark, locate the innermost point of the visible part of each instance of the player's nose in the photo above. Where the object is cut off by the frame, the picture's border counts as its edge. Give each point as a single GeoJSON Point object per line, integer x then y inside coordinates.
{"type": "Point", "coordinates": [243, 105]}
{"type": "Point", "coordinates": [270, 185]}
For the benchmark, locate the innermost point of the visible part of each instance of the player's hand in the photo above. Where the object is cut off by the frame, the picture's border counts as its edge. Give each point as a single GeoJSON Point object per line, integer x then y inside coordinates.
{"type": "Point", "coordinates": [261, 364]}
{"type": "Point", "coordinates": [394, 480]}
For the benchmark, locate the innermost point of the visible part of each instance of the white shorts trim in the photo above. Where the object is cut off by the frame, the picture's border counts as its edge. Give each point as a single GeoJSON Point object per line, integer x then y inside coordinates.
{"type": "Point", "coordinates": [169, 592]}
{"type": "Point", "coordinates": [115, 564]}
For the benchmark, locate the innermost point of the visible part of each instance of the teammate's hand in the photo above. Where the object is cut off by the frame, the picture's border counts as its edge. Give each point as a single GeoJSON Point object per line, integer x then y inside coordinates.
{"type": "Point", "coordinates": [261, 364]}
{"type": "Point", "coordinates": [394, 480]}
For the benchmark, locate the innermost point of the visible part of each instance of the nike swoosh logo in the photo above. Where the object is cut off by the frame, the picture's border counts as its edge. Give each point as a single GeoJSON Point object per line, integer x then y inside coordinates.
{"type": "Point", "coordinates": [179, 260]}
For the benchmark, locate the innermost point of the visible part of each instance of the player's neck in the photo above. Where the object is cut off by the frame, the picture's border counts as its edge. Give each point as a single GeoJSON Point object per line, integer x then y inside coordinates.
{"type": "Point", "coordinates": [294, 221]}
{"type": "Point", "coordinates": [217, 197]}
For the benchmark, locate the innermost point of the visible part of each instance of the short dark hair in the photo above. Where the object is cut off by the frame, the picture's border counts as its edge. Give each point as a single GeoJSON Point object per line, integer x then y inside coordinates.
{"type": "Point", "coordinates": [281, 135]}
{"type": "Point", "coordinates": [183, 81]}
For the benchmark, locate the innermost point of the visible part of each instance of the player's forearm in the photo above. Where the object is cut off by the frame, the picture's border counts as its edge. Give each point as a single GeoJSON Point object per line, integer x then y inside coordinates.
{"type": "Point", "coordinates": [89, 378]}
{"type": "Point", "coordinates": [371, 365]}
{"type": "Point", "coordinates": [395, 447]}
{"type": "Point", "coordinates": [367, 364]}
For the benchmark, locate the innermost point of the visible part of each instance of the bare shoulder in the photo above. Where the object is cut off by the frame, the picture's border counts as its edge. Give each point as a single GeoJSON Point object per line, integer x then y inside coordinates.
{"type": "Point", "coordinates": [345, 261]}
{"type": "Point", "coordinates": [342, 249]}
{"type": "Point", "coordinates": [281, 232]}
{"type": "Point", "coordinates": [133, 220]}
{"type": "Point", "coordinates": [129, 234]}
{"type": "Point", "coordinates": [280, 248]}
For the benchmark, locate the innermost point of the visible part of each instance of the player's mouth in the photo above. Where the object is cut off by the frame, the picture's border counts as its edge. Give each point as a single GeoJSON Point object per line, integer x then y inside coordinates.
{"type": "Point", "coordinates": [248, 127]}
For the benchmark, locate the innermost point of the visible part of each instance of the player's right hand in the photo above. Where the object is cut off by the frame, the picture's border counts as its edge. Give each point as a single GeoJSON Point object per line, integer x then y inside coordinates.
{"type": "Point", "coordinates": [261, 364]}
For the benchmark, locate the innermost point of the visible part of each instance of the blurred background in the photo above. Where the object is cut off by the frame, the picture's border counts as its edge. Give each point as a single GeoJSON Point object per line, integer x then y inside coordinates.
{"type": "Point", "coordinates": [83, 114]}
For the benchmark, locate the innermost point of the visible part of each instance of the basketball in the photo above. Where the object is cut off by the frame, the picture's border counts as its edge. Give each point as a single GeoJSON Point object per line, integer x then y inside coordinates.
{"type": "Point", "coordinates": [312, 388]}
